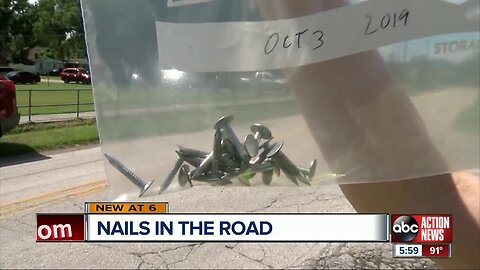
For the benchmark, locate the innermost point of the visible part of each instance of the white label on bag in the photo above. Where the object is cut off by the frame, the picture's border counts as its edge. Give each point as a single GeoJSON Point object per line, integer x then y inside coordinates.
{"type": "Point", "coordinates": [249, 46]}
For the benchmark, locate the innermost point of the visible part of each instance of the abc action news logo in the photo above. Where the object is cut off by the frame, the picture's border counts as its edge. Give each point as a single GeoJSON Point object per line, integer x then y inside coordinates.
{"type": "Point", "coordinates": [421, 228]}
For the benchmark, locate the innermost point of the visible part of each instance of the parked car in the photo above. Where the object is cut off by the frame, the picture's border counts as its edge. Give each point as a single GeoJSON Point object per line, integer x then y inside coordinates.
{"type": "Point", "coordinates": [4, 70]}
{"type": "Point", "coordinates": [269, 78]}
{"type": "Point", "coordinates": [78, 75]}
{"type": "Point", "coordinates": [265, 78]}
{"type": "Point", "coordinates": [23, 77]}
{"type": "Point", "coordinates": [55, 72]}
{"type": "Point", "coordinates": [9, 116]}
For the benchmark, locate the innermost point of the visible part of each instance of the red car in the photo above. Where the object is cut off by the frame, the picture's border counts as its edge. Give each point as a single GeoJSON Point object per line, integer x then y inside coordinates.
{"type": "Point", "coordinates": [78, 75]}
{"type": "Point", "coordinates": [9, 116]}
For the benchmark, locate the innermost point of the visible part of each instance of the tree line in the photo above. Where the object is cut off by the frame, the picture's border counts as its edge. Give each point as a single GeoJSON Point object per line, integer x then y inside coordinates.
{"type": "Point", "coordinates": [53, 25]}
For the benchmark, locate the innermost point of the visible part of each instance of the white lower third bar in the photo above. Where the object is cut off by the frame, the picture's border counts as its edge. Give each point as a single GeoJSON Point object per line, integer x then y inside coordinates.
{"type": "Point", "coordinates": [216, 227]}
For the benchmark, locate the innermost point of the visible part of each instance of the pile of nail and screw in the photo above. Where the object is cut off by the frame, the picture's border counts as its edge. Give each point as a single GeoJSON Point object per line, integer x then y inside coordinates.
{"type": "Point", "coordinates": [229, 159]}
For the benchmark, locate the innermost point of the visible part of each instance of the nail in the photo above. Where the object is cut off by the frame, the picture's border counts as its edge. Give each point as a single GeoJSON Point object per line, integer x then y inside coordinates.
{"type": "Point", "coordinates": [290, 168]}
{"type": "Point", "coordinates": [228, 148]}
{"type": "Point", "coordinates": [310, 172]}
{"type": "Point", "coordinates": [183, 177]}
{"type": "Point", "coordinates": [171, 175]}
{"type": "Point", "coordinates": [228, 164]}
{"type": "Point", "coordinates": [223, 124]}
{"type": "Point", "coordinates": [205, 178]}
{"type": "Point", "coordinates": [217, 152]}
{"type": "Point", "coordinates": [203, 167]}
{"type": "Point", "coordinates": [192, 152]}
{"type": "Point", "coordinates": [251, 145]}
{"type": "Point", "coordinates": [274, 149]}
{"type": "Point", "coordinates": [245, 175]}
{"type": "Point", "coordinates": [260, 132]}
{"type": "Point", "coordinates": [267, 177]}
{"type": "Point", "coordinates": [129, 174]}
{"type": "Point", "coordinates": [266, 147]}
{"type": "Point", "coordinates": [194, 161]}
{"type": "Point", "coordinates": [281, 166]}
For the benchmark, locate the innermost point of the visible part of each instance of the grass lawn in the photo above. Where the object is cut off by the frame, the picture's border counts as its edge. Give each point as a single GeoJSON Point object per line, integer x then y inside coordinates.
{"type": "Point", "coordinates": [54, 93]}
{"type": "Point", "coordinates": [48, 136]}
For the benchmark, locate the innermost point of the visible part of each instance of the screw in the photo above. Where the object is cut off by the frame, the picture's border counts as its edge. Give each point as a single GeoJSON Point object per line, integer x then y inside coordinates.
{"type": "Point", "coordinates": [267, 177]}
{"type": "Point", "coordinates": [129, 174]}
{"type": "Point", "coordinates": [217, 152]}
{"type": "Point", "coordinates": [173, 172]}
{"type": "Point", "coordinates": [265, 166]}
{"type": "Point", "coordinates": [192, 152]}
{"type": "Point", "coordinates": [251, 145]}
{"type": "Point", "coordinates": [279, 166]}
{"type": "Point", "coordinates": [203, 166]}
{"type": "Point", "coordinates": [204, 177]}
{"type": "Point", "coordinates": [183, 176]}
{"type": "Point", "coordinates": [282, 162]}
{"type": "Point", "coordinates": [266, 149]}
{"type": "Point", "coordinates": [310, 172]}
{"type": "Point", "coordinates": [228, 148]}
{"type": "Point", "coordinates": [194, 161]}
{"type": "Point", "coordinates": [246, 174]}
{"type": "Point", "coordinates": [260, 132]}
{"type": "Point", "coordinates": [274, 149]}
{"type": "Point", "coordinates": [290, 168]}
{"type": "Point", "coordinates": [223, 124]}
{"type": "Point", "coordinates": [227, 163]}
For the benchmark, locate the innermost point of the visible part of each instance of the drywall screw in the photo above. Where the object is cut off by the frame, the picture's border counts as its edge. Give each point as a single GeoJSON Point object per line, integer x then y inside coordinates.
{"type": "Point", "coordinates": [183, 176]}
{"type": "Point", "coordinates": [272, 154]}
{"type": "Point", "coordinates": [192, 152]}
{"type": "Point", "coordinates": [223, 124]}
{"type": "Point", "coordinates": [226, 161]}
{"type": "Point", "coordinates": [276, 168]}
{"type": "Point", "coordinates": [228, 148]}
{"type": "Point", "coordinates": [265, 150]}
{"type": "Point", "coordinates": [267, 177]}
{"type": "Point", "coordinates": [279, 166]}
{"type": "Point", "coordinates": [274, 149]}
{"type": "Point", "coordinates": [217, 152]}
{"type": "Point", "coordinates": [204, 177]}
{"type": "Point", "coordinates": [251, 145]}
{"type": "Point", "coordinates": [260, 132]}
{"type": "Point", "coordinates": [130, 175]}
{"type": "Point", "coordinates": [289, 168]}
{"type": "Point", "coordinates": [310, 172]}
{"type": "Point", "coordinates": [171, 175]}
{"type": "Point", "coordinates": [265, 166]}
{"type": "Point", "coordinates": [203, 166]}
{"type": "Point", "coordinates": [194, 161]}
{"type": "Point", "coordinates": [246, 174]}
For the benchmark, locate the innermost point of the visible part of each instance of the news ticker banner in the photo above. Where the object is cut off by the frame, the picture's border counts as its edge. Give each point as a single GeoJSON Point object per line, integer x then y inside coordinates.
{"type": "Point", "coordinates": [151, 222]}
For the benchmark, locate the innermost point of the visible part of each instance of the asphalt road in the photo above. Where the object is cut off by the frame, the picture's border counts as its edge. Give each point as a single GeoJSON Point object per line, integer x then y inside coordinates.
{"type": "Point", "coordinates": [18, 248]}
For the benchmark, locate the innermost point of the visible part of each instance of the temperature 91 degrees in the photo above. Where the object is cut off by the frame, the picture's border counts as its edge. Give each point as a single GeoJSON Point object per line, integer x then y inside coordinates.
{"type": "Point", "coordinates": [436, 250]}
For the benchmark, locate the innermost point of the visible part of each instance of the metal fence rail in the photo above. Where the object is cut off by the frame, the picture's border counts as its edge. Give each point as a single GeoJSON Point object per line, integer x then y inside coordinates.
{"type": "Point", "coordinates": [77, 104]}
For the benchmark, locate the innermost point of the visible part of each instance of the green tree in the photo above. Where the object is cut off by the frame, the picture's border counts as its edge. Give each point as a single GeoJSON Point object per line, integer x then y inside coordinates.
{"type": "Point", "coordinates": [59, 27]}
{"type": "Point", "coordinates": [16, 30]}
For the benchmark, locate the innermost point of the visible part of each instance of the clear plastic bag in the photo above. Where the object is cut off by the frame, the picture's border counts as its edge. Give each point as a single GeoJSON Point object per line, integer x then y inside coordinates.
{"type": "Point", "coordinates": [381, 102]}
